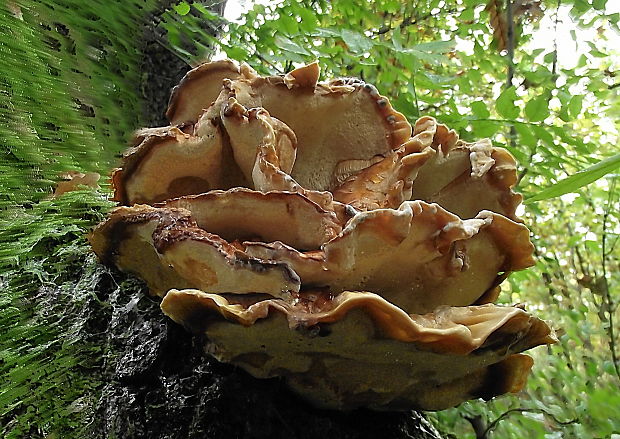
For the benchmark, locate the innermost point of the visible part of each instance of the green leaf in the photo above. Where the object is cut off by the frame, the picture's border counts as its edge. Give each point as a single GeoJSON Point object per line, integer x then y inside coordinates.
{"type": "Point", "coordinates": [206, 13]}
{"type": "Point", "coordinates": [182, 8]}
{"type": "Point", "coordinates": [435, 46]}
{"type": "Point", "coordinates": [288, 24]}
{"type": "Point", "coordinates": [583, 61]}
{"type": "Point", "coordinates": [549, 57]}
{"type": "Point", "coordinates": [392, 6]}
{"type": "Point", "coordinates": [537, 109]}
{"type": "Point", "coordinates": [480, 110]}
{"type": "Point", "coordinates": [505, 104]}
{"type": "Point", "coordinates": [573, 35]}
{"type": "Point", "coordinates": [235, 52]}
{"type": "Point", "coordinates": [397, 41]}
{"type": "Point", "coordinates": [574, 106]}
{"type": "Point", "coordinates": [525, 135]}
{"type": "Point", "coordinates": [581, 6]}
{"type": "Point", "coordinates": [484, 128]}
{"type": "Point", "coordinates": [597, 53]}
{"type": "Point", "coordinates": [432, 58]}
{"type": "Point", "coordinates": [467, 14]}
{"type": "Point", "coordinates": [578, 180]}
{"type": "Point", "coordinates": [564, 98]}
{"type": "Point", "coordinates": [309, 21]}
{"type": "Point", "coordinates": [289, 45]}
{"type": "Point", "coordinates": [325, 32]}
{"type": "Point", "coordinates": [357, 42]}
{"type": "Point", "coordinates": [538, 76]}
{"type": "Point", "coordinates": [543, 135]}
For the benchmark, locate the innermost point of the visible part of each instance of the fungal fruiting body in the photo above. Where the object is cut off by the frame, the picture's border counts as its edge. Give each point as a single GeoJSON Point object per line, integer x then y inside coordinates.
{"type": "Point", "coordinates": [309, 232]}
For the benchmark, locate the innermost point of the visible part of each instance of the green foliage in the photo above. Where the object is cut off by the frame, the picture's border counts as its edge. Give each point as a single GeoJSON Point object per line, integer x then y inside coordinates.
{"type": "Point", "coordinates": [70, 71]}
{"type": "Point", "coordinates": [62, 107]}
{"type": "Point", "coordinates": [439, 58]}
{"type": "Point", "coordinates": [578, 180]}
{"type": "Point", "coordinates": [48, 279]}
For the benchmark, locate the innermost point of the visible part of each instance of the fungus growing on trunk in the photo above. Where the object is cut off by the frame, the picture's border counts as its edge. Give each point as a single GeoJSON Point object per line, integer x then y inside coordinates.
{"type": "Point", "coordinates": [308, 231]}
{"type": "Point", "coordinates": [357, 349]}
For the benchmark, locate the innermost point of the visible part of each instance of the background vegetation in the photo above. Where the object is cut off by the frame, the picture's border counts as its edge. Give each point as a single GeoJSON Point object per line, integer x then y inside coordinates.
{"type": "Point", "coordinates": [483, 69]}
{"type": "Point", "coordinates": [69, 96]}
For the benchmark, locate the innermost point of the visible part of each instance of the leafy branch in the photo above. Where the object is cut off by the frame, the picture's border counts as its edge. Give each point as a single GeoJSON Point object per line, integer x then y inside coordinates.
{"type": "Point", "coordinates": [608, 301]}
{"type": "Point", "coordinates": [577, 180]}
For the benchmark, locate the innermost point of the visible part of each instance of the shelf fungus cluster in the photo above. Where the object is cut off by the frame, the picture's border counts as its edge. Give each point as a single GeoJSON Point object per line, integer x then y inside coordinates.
{"type": "Point", "coordinates": [308, 231]}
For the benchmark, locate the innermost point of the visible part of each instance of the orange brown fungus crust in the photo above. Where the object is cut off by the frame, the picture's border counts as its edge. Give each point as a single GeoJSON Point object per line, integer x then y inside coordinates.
{"type": "Point", "coordinates": [306, 230]}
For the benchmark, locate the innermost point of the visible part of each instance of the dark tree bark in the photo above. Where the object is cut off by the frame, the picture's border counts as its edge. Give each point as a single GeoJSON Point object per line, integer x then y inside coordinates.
{"type": "Point", "coordinates": [161, 68]}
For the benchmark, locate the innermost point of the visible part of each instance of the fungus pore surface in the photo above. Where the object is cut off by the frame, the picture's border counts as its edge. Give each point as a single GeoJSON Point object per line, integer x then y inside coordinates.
{"type": "Point", "coordinates": [308, 231]}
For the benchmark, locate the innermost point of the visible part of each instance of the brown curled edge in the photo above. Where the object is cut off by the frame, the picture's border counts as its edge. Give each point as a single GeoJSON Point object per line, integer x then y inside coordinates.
{"type": "Point", "coordinates": [240, 214]}
{"type": "Point", "coordinates": [219, 147]}
{"type": "Point", "coordinates": [173, 161]}
{"type": "Point", "coordinates": [386, 182]}
{"type": "Point", "coordinates": [434, 166]}
{"type": "Point", "coordinates": [265, 150]}
{"type": "Point", "coordinates": [466, 178]}
{"type": "Point", "coordinates": [145, 142]}
{"type": "Point", "coordinates": [199, 88]}
{"type": "Point", "coordinates": [341, 119]}
{"type": "Point", "coordinates": [356, 349]}
{"type": "Point", "coordinates": [419, 256]}
{"type": "Point", "coordinates": [166, 248]}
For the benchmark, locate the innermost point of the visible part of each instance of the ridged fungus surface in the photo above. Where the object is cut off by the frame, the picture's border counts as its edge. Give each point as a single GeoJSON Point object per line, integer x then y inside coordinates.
{"type": "Point", "coordinates": [308, 231]}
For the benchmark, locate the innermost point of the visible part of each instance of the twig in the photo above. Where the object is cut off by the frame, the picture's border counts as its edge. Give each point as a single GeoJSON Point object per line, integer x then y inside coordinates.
{"type": "Point", "coordinates": [478, 425]}
{"type": "Point", "coordinates": [263, 59]}
{"type": "Point", "coordinates": [554, 66]}
{"type": "Point", "coordinates": [510, 43]}
{"type": "Point", "coordinates": [525, 168]}
{"type": "Point", "coordinates": [410, 20]}
{"type": "Point", "coordinates": [415, 93]}
{"type": "Point", "coordinates": [385, 27]}
{"type": "Point", "coordinates": [580, 259]}
{"type": "Point", "coordinates": [504, 415]}
{"type": "Point", "coordinates": [510, 48]}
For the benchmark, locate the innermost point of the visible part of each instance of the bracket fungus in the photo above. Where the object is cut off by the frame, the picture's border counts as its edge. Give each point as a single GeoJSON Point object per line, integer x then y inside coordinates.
{"type": "Point", "coordinates": [308, 231]}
